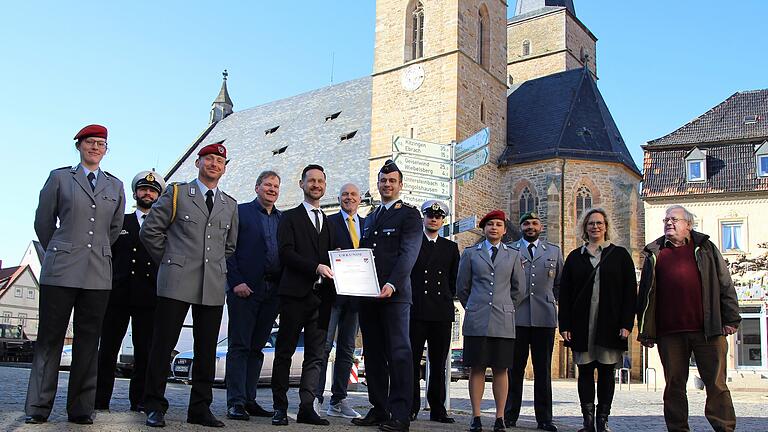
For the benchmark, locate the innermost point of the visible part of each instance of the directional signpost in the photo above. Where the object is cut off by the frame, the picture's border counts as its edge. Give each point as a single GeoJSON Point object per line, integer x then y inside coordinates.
{"type": "Point", "coordinates": [475, 142]}
{"type": "Point", "coordinates": [472, 162]}
{"type": "Point", "coordinates": [414, 147]}
{"type": "Point", "coordinates": [421, 166]}
{"type": "Point", "coordinates": [428, 186]}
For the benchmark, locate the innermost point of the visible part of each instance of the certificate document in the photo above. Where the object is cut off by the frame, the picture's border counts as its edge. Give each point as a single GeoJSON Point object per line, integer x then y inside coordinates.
{"type": "Point", "coordinates": [354, 272]}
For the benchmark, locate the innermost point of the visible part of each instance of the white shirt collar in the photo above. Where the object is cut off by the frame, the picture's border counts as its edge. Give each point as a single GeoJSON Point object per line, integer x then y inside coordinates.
{"type": "Point", "coordinates": [204, 189]}
{"type": "Point", "coordinates": [433, 240]}
{"type": "Point", "coordinates": [139, 215]}
{"type": "Point", "coordinates": [389, 204]}
{"type": "Point", "coordinates": [308, 207]}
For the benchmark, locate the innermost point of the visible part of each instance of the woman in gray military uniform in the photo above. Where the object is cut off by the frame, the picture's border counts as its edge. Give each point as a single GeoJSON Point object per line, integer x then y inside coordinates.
{"type": "Point", "coordinates": [489, 287]}
{"type": "Point", "coordinates": [79, 216]}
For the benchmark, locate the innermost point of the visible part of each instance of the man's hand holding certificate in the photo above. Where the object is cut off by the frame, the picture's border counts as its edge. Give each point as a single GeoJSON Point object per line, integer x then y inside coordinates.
{"type": "Point", "coordinates": [354, 272]}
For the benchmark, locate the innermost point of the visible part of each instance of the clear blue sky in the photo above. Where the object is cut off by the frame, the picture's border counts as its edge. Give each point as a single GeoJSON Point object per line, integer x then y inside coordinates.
{"type": "Point", "coordinates": [150, 70]}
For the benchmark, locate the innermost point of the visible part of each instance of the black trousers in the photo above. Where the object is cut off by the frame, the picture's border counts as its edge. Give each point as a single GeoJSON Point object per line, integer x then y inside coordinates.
{"type": "Point", "coordinates": [437, 335]}
{"type": "Point", "coordinates": [541, 341]}
{"type": "Point", "coordinates": [295, 314]}
{"type": "Point", "coordinates": [112, 333]}
{"type": "Point", "coordinates": [605, 383]}
{"type": "Point", "coordinates": [169, 318]}
{"type": "Point", "coordinates": [56, 305]}
{"type": "Point", "coordinates": [388, 357]}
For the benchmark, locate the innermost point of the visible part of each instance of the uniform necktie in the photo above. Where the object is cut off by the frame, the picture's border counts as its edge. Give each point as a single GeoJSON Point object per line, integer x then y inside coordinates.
{"type": "Point", "coordinates": [531, 248]}
{"type": "Point", "coordinates": [317, 219]}
{"type": "Point", "coordinates": [494, 251]}
{"type": "Point", "coordinates": [353, 232]}
{"type": "Point", "coordinates": [92, 180]}
{"type": "Point", "coordinates": [209, 200]}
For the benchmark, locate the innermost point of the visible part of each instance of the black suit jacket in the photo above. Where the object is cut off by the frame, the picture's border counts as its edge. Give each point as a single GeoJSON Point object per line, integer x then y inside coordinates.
{"type": "Point", "coordinates": [302, 249]}
{"type": "Point", "coordinates": [134, 273]}
{"type": "Point", "coordinates": [433, 280]}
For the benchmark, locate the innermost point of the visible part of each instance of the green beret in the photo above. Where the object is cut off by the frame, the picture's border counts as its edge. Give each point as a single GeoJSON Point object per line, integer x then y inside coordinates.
{"type": "Point", "coordinates": [528, 216]}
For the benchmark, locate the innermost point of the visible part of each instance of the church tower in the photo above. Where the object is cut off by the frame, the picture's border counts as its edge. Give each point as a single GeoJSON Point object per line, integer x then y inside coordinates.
{"type": "Point", "coordinates": [222, 106]}
{"type": "Point", "coordinates": [439, 75]}
{"type": "Point", "coordinates": [546, 37]}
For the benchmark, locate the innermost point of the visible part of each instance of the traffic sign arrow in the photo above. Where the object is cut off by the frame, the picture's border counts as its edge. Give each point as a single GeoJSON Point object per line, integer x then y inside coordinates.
{"type": "Point", "coordinates": [478, 140]}
{"type": "Point", "coordinates": [417, 165]}
{"type": "Point", "coordinates": [460, 226]}
{"type": "Point", "coordinates": [427, 186]}
{"type": "Point", "coordinates": [472, 162]}
{"type": "Point", "coordinates": [421, 148]}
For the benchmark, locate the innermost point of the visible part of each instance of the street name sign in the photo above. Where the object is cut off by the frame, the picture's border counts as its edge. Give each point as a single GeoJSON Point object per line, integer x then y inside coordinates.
{"type": "Point", "coordinates": [427, 186]}
{"type": "Point", "coordinates": [460, 226]}
{"type": "Point", "coordinates": [477, 141]}
{"type": "Point", "coordinates": [417, 165]}
{"type": "Point", "coordinates": [421, 148]}
{"type": "Point", "coordinates": [472, 162]}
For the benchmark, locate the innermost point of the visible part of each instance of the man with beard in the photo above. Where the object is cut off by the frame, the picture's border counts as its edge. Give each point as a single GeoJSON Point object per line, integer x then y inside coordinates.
{"type": "Point", "coordinates": [535, 322]}
{"type": "Point", "coordinates": [190, 232]}
{"type": "Point", "coordinates": [134, 278]}
{"type": "Point", "coordinates": [306, 295]}
{"type": "Point", "coordinates": [393, 231]}
{"type": "Point", "coordinates": [433, 280]}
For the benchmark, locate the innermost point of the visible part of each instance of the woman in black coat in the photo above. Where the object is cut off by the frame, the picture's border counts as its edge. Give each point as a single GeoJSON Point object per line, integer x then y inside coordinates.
{"type": "Point", "coordinates": [596, 315]}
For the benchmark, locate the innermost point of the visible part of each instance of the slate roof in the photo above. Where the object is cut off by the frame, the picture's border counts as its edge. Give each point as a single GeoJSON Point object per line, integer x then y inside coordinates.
{"type": "Point", "coordinates": [725, 122]}
{"type": "Point", "coordinates": [303, 129]}
{"type": "Point", "coordinates": [223, 96]}
{"type": "Point", "coordinates": [8, 276]}
{"type": "Point", "coordinates": [731, 168]}
{"type": "Point", "coordinates": [533, 13]}
{"type": "Point", "coordinates": [526, 6]}
{"type": "Point", "coordinates": [562, 115]}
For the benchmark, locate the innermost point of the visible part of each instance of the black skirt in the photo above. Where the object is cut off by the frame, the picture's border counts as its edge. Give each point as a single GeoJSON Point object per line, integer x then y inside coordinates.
{"type": "Point", "coordinates": [485, 352]}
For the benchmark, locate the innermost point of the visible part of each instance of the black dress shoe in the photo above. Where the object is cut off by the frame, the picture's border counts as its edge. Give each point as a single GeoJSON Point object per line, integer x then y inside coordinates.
{"type": "Point", "coordinates": [309, 416]}
{"type": "Point", "coordinates": [280, 418]}
{"type": "Point", "coordinates": [373, 418]}
{"type": "Point", "coordinates": [35, 419]}
{"type": "Point", "coordinates": [498, 426]}
{"type": "Point", "coordinates": [254, 409]}
{"type": "Point", "coordinates": [547, 426]}
{"type": "Point", "coordinates": [476, 425]}
{"type": "Point", "coordinates": [443, 419]}
{"type": "Point", "coordinates": [207, 419]}
{"type": "Point", "coordinates": [81, 420]}
{"type": "Point", "coordinates": [155, 419]}
{"type": "Point", "coordinates": [237, 412]}
{"type": "Point", "coordinates": [394, 426]}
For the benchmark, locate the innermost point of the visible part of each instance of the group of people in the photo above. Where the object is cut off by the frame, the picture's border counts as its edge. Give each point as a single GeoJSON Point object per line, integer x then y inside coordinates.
{"type": "Point", "coordinates": [190, 245]}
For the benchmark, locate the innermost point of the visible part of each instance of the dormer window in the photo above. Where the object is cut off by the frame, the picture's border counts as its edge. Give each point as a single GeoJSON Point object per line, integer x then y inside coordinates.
{"type": "Point", "coordinates": [761, 157]}
{"type": "Point", "coordinates": [272, 130]}
{"type": "Point", "coordinates": [333, 116]}
{"type": "Point", "coordinates": [696, 166]}
{"type": "Point", "coordinates": [751, 119]}
{"type": "Point", "coordinates": [348, 136]}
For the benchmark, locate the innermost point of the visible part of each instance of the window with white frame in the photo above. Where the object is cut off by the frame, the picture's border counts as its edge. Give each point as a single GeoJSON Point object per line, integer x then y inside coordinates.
{"type": "Point", "coordinates": [18, 292]}
{"type": "Point", "coordinates": [762, 165]}
{"type": "Point", "coordinates": [732, 236]}
{"type": "Point", "coordinates": [696, 171]}
{"type": "Point", "coordinates": [31, 294]}
{"type": "Point", "coordinates": [22, 319]}
{"type": "Point", "coordinates": [7, 317]}
{"type": "Point", "coordinates": [696, 166]}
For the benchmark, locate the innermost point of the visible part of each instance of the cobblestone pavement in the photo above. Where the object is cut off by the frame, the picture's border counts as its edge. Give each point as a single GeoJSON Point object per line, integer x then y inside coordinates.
{"type": "Point", "coordinates": [633, 410]}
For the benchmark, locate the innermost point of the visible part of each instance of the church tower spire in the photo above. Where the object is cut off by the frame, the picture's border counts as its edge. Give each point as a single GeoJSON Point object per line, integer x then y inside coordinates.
{"type": "Point", "coordinates": [525, 6]}
{"type": "Point", "coordinates": [222, 106]}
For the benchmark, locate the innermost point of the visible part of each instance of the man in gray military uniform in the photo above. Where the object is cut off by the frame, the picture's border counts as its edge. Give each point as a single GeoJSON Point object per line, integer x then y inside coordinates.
{"type": "Point", "coordinates": [190, 232]}
{"type": "Point", "coordinates": [88, 204]}
{"type": "Point", "coordinates": [536, 322]}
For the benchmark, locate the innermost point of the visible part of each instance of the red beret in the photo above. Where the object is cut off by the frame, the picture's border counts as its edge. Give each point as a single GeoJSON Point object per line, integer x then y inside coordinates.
{"type": "Point", "coordinates": [93, 130]}
{"type": "Point", "coordinates": [493, 214]}
{"type": "Point", "coordinates": [215, 148]}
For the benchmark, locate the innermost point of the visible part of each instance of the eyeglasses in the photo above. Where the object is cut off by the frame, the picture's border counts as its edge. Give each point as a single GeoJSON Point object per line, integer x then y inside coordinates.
{"type": "Point", "coordinates": [674, 220]}
{"type": "Point", "coordinates": [94, 143]}
{"type": "Point", "coordinates": [596, 224]}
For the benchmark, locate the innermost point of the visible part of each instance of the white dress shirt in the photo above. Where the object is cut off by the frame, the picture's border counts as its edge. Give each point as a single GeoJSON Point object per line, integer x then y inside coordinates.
{"type": "Point", "coordinates": [311, 214]}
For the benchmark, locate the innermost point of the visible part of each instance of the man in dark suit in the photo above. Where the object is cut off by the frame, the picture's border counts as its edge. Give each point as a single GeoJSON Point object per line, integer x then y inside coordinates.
{"type": "Point", "coordinates": [347, 226]}
{"type": "Point", "coordinates": [134, 279]}
{"type": "Point", "coordinates": [433, 280]}
{"type": "Point", "coordinates": [306, 294]}
{"type": "Point", "coordinates": [252, 276]}
{"type": "Point", "coordinates": [393, 231]}
{"type": "Point", "coordinates": [535, 322]}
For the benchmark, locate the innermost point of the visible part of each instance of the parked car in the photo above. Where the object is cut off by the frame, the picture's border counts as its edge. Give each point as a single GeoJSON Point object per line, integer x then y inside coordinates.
{"type": "Point", "coordinates": [15, 346]}
{"type": "Point", "coordinates": [458, 371]}
{"type": "Point", "coordinates": [183, 363]}
{"type": "Point", "coordinates": [358, 359]}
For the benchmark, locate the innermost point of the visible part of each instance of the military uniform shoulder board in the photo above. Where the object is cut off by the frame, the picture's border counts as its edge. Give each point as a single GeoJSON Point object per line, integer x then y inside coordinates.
{"type": "Point", "coordinates": [405, 204]}
{"type": "Point", "coordinates": [553, 245]}
{"type": "Point", "coordinates": [109, 174]}
{"type": "Point", "coordinates": [398, 205]}
{"type": "Point", "coordinates": [64, 168]}
{"type": "Point", "coordinates": [228, 195]}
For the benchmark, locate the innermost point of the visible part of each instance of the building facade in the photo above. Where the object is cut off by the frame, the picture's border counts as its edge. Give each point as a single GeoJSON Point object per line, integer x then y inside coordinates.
{"type": "Point", "coordinates": [19, 299]}
{"type": "Point", "coordinates": [717, 167]}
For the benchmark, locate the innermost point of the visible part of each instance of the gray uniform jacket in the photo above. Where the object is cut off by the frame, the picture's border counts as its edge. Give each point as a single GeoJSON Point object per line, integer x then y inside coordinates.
{"type": "Point", "coordinates": [542, 284]}
{"type": "Point", "coordinates": [489, 291]}
{"type": "Point", "coordinates": [78, 252]}
{"type": "Point", "coordinates": [191, 250]}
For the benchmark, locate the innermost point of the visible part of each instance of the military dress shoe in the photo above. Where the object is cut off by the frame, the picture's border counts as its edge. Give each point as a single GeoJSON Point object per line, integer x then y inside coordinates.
{"type": "Point", "coordinates": [237, 412]}
{"type": "Point", "coordinates": [254, 409]}
{"type": "Point", "coordinates": [206, 419]}
{"type": "Point", "coordinates": [35, 419]}
{"type": "Point", "coordinates": [443, 419]}
{"type": "Point", "coordinates": [394, 426]}
{"type": "Point", "coordinates": [155, 419]}
{"type": "Point", "coordinates": [547, 426]}
{"type": "Point", "coordinates": [309, 416]}
{"type": "Point", "coordinates": [476, 425]}
{"type": "Point", "coordinates": [81, 420]}
{"type": "Point", "coordinates": [280, 418]}
{"type": "Point", "coordinates": [371, 419]}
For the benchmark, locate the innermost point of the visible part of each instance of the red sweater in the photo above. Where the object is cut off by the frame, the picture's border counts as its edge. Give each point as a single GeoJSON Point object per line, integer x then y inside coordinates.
{"type": "Point", "coordinates": [678, 291]}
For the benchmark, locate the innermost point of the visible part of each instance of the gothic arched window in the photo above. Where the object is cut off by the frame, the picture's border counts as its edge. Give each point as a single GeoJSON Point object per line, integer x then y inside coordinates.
{"type": "Point", "coordinates": [583, 201]}
{"type": "Point", "coordinates": [414, 31]}
{"type": "Point", "coordinates": [526, 47]}
{"type": "Point", "coordinates": [483, 36]}
{"type": "Point", "coordinates": [528, 202]}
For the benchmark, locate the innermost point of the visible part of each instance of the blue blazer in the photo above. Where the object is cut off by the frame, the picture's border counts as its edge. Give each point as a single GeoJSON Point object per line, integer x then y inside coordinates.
{"type": "Point", "coordinates": [246, 265]}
